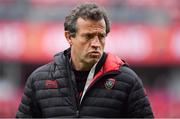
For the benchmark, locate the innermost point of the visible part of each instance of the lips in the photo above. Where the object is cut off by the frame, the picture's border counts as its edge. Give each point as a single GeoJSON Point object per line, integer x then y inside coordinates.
{"type": "Point", "coordinates": [94, 53]}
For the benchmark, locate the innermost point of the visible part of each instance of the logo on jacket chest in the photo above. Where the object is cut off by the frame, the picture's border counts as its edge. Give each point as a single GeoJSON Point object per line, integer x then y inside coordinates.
{"type": "Point", "coordinates": [109, 83]}
{"type": "Point", "coordinates": [51, 84]}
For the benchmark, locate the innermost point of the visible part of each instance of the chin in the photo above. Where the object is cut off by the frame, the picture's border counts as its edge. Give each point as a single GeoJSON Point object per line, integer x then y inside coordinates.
{"type": "Point", "coordinates": [94, 60]}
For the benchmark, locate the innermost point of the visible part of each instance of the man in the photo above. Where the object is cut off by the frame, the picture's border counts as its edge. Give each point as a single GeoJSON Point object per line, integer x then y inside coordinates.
{"type": "Point", "coordinates": [84, 81]}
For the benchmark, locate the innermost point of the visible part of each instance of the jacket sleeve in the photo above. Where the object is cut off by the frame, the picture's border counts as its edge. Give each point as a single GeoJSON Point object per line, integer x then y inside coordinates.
{"type": "Point", "coordinates": [28, 107]}
{"type": "Point", "coordinates": [24, 110]}
{"type": "Point", "coordinates": [138, 102]}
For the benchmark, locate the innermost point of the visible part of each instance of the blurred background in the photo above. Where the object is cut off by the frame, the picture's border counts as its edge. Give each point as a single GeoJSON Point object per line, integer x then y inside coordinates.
{"type": "Point", "coordinates": [145, 33]}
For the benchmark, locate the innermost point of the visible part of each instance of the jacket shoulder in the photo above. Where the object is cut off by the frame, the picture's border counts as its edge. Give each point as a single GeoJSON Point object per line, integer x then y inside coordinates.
{"type": "Point", "coordinates": [127, 70]}
{"type": "Point", "coordinates": [50, 70]}
{"type": "Point", "coordinates": [42, 71]}
{"type": "Point", "coordinates": [128, 75]}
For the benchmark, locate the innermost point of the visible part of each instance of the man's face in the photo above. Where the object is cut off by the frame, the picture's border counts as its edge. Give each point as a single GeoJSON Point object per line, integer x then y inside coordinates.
{"type": "Point", "coordinates": [88, 44]}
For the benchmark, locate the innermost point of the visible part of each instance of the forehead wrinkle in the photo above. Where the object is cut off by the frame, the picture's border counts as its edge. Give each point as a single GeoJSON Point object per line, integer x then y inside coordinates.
{"type": "Point", "coordinates": [90, 25]}
{"type": "Point", "coordinates": [95, 30]}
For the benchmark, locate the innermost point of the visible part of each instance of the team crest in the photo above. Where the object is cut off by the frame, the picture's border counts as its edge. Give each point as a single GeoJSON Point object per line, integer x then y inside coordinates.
{"type": "Point", "coordinates": [109, 84]}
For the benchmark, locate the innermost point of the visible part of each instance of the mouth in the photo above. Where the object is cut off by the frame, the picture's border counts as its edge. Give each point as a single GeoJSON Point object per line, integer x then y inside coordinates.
{"type": "Point", "coordinates": [95, 54]}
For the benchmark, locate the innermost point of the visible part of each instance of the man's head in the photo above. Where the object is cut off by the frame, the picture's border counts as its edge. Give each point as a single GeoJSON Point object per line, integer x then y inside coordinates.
{"type": "Point", "coordinates": [85, 30]}
{"type": "Point", "coordinates": [85, 11]}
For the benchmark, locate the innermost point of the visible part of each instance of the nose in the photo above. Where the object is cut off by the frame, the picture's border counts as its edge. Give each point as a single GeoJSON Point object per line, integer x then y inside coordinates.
{"type": "Point", "coordinates": [95, 42]}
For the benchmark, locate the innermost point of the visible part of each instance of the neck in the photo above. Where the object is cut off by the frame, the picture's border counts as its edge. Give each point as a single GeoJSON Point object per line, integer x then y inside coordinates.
{"type": "Point", "coordinates": [79, 66]}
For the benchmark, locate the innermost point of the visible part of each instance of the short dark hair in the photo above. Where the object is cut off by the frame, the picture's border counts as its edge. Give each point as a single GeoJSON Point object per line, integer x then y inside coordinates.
{"type": "Point", "coordinates": [85, 11]}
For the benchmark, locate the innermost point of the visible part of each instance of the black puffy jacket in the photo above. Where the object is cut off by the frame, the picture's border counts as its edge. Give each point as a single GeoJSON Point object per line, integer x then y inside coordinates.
{"type": "Point", "coordinates": [116, 91]}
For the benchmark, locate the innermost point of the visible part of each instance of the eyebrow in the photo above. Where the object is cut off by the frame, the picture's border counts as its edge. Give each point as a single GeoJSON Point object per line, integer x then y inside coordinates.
{"type": "Point", "coordinates": [88, 33]}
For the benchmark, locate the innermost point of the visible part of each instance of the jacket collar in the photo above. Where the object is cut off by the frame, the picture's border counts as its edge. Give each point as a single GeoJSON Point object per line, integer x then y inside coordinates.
{"type": "Point", "coordinates": [61, 57]}
{"type": "Point", "coordinates": [108, 61]}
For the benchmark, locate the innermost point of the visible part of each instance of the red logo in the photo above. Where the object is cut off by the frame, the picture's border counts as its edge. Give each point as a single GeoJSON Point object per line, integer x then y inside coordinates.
{"type": "Point", "coordinates": [51, 84]}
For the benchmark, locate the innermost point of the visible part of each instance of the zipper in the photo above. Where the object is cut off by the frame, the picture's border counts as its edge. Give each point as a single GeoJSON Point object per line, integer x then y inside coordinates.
{"type": "Point", "coordinates": [77, 113]}
{"type": "Point", "coordinates": [75, 97]}
{"type": "Point", "coordinates": [73, 89]}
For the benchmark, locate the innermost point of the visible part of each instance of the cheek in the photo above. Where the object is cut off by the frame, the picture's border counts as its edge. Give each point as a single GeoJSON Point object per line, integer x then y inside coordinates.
{"type": "Point", "coordinates": [102, 45]}
{"type": "Point", "coordinates": [82, 48]}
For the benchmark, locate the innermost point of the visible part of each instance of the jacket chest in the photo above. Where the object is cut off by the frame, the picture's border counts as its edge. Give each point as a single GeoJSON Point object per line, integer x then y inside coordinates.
{"type": "Point", "coordinates": [102, 97]}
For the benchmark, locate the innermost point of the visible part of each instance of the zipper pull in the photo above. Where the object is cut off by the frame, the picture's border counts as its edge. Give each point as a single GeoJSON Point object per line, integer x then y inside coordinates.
{"type": "Point", "coordinates": [77, 113]}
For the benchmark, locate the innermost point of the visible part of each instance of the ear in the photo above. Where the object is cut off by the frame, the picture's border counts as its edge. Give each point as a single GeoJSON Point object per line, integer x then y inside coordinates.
{"type": "Point", "coordinates": [68, 37]}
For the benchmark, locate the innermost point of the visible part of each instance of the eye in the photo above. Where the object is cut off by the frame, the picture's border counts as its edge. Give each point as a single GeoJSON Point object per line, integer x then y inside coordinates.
{"type": "Point", "coordinates": [101, 36]}
{"type": "Point", "coordinates": [89, 36]}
